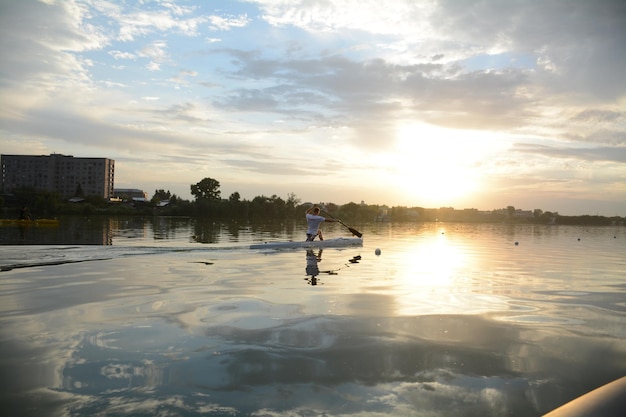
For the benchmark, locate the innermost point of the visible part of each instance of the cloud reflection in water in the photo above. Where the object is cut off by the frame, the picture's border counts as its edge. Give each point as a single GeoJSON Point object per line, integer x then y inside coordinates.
{"type": "Point", "coordinates": [435, 325]}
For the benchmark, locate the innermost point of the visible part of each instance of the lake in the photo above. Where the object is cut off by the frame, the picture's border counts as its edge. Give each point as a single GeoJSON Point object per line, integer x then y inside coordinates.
{"type": "Point", "coordinates": [177, 317]}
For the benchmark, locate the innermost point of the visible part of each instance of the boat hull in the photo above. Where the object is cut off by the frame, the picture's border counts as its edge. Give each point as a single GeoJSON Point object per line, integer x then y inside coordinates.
{"type": "Point", "coordinates": [328, 243]}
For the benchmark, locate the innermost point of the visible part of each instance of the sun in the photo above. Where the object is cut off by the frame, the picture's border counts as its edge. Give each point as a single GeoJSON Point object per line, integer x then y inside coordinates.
{"type": "Point", "coordinates": [434, 165]}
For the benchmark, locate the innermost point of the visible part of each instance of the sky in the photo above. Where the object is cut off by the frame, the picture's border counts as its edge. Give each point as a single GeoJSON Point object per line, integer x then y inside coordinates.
{"type": "Point", "coordinates": [451, 103]}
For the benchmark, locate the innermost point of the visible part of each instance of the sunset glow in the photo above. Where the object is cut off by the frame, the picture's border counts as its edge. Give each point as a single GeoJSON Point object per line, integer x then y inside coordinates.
{"type": "Point", "coordinates": [418, 103]}
{"type": "Point", "coordinates": [434, 165]}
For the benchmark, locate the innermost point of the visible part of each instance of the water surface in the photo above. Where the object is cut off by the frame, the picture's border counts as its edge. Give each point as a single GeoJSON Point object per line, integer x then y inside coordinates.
{"type": "Point", "coordinates": [177, 317]}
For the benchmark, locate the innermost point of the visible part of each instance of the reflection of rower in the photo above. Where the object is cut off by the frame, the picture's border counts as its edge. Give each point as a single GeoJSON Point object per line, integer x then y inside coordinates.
{"type": "Point", "coordinates": [311, 265]}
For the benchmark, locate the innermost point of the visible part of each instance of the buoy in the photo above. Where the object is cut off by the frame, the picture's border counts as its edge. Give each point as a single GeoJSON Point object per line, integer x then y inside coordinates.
{"type": "Point", "coordinates": [377, 252]}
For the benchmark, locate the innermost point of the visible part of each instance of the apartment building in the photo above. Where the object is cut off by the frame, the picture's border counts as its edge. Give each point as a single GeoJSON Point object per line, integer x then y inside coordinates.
{"type": "Point", "coordinates": [63, 174]}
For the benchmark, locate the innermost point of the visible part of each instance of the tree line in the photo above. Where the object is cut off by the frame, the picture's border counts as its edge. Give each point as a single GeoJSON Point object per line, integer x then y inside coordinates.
{"type": "Point", "coordinates": [209, 203]}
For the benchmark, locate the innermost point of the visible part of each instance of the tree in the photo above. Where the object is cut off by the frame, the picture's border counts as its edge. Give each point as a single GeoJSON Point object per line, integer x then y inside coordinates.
{"type": "Point", "coordinates": [349, 210]}
{"type": "Point", "coordinates": [292, 200]}
{"type": "Point", "coordinates": [235, 197]}
{"type": "Point", "coordinates": [207, 189]}
{"type": "Point", "coordinates": [161, 194]}
{"type": "Point", "coordinates": [510, 210]}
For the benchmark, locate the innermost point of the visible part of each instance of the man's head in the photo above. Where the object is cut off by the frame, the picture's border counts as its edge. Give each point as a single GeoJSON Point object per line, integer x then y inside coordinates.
{"type": "Point", "coordinates": [316, 210]}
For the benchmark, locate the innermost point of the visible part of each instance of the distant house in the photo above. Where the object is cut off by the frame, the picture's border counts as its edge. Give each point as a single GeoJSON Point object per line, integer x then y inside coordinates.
{"type": "Point", "coordinates": [526, 214]}
{"type": "Point", "coordinates": [131, 194]}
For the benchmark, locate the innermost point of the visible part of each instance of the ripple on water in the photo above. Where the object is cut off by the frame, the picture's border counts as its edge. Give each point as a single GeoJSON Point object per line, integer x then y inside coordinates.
{"type": "Point", "coordinates": [542, 319]}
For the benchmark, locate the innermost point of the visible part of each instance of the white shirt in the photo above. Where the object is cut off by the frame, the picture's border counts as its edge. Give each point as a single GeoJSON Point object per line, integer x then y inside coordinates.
{"type": "Point", "coordinates": [314, 223]}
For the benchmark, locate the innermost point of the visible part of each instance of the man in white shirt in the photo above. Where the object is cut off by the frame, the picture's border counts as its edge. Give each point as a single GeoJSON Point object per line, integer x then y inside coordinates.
{"type": "Point", "coordinates": [314, 220]}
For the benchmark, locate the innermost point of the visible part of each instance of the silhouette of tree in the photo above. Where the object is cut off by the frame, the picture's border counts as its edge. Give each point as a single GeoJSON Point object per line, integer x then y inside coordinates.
{"type": "Point", "coordinates": [207, 189]}
{"type": "Point", "coordinates": [235, 197]}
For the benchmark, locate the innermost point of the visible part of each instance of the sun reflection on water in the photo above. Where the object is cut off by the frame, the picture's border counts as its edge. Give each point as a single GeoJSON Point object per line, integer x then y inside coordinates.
{"type": "Point", "coordinates": [431, 277]}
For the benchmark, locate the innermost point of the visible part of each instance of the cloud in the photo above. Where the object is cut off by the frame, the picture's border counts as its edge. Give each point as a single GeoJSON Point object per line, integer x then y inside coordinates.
{"type": "Point", "coordinates": [122, 55]}
{"type": "Point", "coordinates": [600, 116]}
{"type": "Point", "coordinates": [582, 57]}
{"type": "Point", "coordinates": [597, 154]}
{"type": "Point", "coordinates": [142, 23]}
{"type": "Point", "coordinates": [45, 61]}
{"type": "Point", "coordinates": [372, 96]}
{"type": "Point", "coordinates": [228, 22]}
{"type": "Point", "coordinates": [156, 52]}
{"type": "Point", "coordinates": [585, 43]}
{"type": "Point", "coordinates": [331, 76]}
{"type": "Point", "coordinates": [394, 18]}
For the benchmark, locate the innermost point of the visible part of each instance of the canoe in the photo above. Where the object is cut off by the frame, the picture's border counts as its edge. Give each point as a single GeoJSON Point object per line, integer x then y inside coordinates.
{"type": "Point", "coordinates": [607, 401]}
{"type": "Point", "coordinates": [36, 222]}
{"type": "Point", "coordinates": [340, 242]}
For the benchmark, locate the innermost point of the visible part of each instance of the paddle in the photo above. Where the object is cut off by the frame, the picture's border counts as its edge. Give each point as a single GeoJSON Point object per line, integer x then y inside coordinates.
{"type": "Point", "coordinates": [353, 231]}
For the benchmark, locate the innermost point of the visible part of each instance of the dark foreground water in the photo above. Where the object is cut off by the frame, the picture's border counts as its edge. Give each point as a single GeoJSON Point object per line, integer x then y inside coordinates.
{"type": "Point", "coordinates": [171, 317]}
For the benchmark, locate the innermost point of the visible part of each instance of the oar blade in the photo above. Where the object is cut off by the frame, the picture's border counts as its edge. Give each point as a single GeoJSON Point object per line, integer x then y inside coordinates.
{"type": "Point", "coordinates": [355, 232]}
